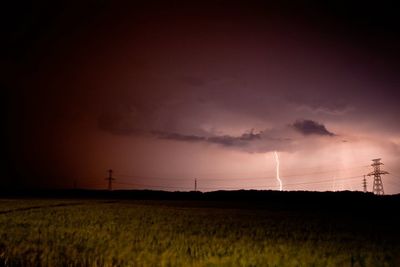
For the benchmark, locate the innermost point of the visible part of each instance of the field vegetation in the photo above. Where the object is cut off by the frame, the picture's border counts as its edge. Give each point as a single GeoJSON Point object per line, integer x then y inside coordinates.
{"type": "Point", "coordinates": [177, 233]}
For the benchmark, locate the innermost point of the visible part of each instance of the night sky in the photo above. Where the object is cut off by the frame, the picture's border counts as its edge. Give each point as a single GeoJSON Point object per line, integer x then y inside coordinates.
{"type": "Point", "coordinates": [164, 92]}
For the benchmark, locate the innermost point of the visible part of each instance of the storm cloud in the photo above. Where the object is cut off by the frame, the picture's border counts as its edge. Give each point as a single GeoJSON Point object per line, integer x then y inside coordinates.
{"type": "Point", "coordinates": [283, 139]}
{"type": "Point", "coordinates": [310, 127]}
{"type": "Point", "coordinates": [224, 140]}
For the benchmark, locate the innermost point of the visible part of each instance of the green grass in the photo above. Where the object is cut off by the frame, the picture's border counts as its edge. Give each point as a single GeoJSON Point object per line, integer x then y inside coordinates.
{"type": "Point", "coordinates": [151, 233]}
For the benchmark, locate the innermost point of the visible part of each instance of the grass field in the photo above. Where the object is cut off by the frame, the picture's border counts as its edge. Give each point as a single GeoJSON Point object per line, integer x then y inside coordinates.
{"type": "Point", "coordinates": [176, 233]}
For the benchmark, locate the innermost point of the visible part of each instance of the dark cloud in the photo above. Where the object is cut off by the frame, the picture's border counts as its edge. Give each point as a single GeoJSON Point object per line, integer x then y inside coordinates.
{"type": "Point", "coordinates": [244, 139]}
{"type": "Point", "coordinates": [309, 127]}
{"type": "Point", "coordinates": [250, 142]}
{"type": "Point", "coordinates": [224, 140]}
{"type": "Point", "coordinates": [178, 137]}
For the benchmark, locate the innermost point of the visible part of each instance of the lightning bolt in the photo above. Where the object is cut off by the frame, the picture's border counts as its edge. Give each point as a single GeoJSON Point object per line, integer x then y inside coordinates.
{"type": "Point", "coordinates": [277, 170]}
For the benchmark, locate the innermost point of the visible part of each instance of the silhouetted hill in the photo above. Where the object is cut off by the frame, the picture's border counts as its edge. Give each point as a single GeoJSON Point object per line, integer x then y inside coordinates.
{"type": "Point", "coordinates": [297, 200]}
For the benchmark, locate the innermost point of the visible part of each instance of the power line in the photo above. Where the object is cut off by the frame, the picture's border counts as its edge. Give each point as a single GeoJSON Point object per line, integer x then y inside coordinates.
{"type": "Point", "coordinates": [300, 185]}
{"type": "Point", "coordinates": [151, 177]}
{"type": "Point", "coordinates": [152, 186]}
{"type": "Point", "coordinates": [230, 179]}
{"type": "Point", "coordinates": [307, 168]}
{"type": "Point", "coordinates": [393, 183]}
{"type": "Point", "coordinates": [326, 181]}
{"type": "Point", "coordinates": [205, 180]}
{"type": "Point", "coordinates": [225, 187]}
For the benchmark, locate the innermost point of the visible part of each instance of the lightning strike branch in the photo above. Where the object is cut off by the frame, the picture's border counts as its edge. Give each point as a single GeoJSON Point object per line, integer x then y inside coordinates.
{"type": "Point", "coordinates": [277, 170]}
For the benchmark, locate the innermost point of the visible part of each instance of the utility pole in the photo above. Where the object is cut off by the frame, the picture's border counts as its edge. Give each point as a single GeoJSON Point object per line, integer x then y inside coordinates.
{"type": "Point", "coordinates": [110, 179]}
{"type": "Point", "coordinates": [378, 185]}
{"type": "Point", "coordinates": [364, 184]}
{"type": "Point", "coordinates": [195, 185]}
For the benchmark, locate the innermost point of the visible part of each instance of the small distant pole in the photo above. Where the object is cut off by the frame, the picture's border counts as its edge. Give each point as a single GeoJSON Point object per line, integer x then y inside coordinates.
{"type": "Point", "coordinates": [195, 184]}
{"type": "Point", "coordinates": [110, 179]}
{"type": "Point", "coordinates": [364, 184]}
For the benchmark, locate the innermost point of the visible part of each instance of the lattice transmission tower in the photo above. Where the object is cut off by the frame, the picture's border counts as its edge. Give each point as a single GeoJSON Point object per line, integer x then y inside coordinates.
{"type": "Point", "coordinates": [377, 185]}
{"type": "Point", "coordinates": [364, 183]}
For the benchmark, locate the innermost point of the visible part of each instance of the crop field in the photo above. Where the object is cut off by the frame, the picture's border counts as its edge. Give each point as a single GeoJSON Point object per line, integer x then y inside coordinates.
{"type": "Point", "coordinates": [60, 232]}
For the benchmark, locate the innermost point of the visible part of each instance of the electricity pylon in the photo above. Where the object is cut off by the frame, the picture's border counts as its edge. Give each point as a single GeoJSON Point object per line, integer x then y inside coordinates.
{"type": "Point", "coordinates": [364, 184]}
{"type": "Point", "coordinates": [378, 185]}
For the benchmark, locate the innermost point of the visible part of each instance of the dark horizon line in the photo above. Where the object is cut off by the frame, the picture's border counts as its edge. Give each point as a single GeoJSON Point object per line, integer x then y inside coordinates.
{"type": "Point", "coordinates": [117, 192]}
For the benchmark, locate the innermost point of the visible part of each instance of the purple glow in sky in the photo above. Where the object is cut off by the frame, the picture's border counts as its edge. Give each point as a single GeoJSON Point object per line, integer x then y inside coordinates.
{"type": "Point", "coordinates": [167, 92]}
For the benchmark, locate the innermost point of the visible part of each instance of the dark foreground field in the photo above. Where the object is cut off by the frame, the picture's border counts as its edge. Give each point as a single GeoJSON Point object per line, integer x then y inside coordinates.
{"type": "Point", "coordinates": [245, 229]}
